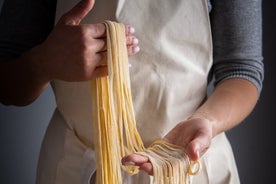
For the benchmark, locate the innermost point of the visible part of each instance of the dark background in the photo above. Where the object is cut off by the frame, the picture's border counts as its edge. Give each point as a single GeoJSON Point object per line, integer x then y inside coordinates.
{"type": "Point", "coordinates": [22, 128]}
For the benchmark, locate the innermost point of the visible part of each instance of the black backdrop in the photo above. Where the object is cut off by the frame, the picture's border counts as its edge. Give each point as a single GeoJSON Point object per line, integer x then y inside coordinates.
{"type": "Point", "coordinates": [254, 140]}
{"type": "Point", "coordinates": [22, 129]}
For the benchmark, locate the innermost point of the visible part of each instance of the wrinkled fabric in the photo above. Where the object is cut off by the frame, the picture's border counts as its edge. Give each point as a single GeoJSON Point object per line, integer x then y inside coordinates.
{"type": "Point", "coordinates": [168, 83]}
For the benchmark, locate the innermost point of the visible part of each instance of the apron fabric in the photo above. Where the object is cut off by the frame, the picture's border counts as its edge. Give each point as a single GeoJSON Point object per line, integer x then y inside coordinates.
{"type": "Point", "coordinates": [168, 83]}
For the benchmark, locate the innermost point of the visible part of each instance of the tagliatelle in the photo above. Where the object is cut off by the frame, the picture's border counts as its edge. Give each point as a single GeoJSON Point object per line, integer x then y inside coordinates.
{"type": "Point", "coordinates": [115, 132]}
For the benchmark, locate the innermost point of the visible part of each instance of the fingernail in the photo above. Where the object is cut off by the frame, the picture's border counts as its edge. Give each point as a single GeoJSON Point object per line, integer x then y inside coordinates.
{"type": "Point", "coordinates": [136, 49]}
{"type": "Point", "coordinates": [135, 41]}
{"type": "Point", "coordinates": [131, 29]}
{"type": "Point", "coordinates": [129, 163]}
{"type": "Point", "coordinates": [197, 154]}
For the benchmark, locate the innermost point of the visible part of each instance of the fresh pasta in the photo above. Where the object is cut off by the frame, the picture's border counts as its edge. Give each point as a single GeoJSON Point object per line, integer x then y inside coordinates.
{"type": "Point", "coordinates": [115, 132]}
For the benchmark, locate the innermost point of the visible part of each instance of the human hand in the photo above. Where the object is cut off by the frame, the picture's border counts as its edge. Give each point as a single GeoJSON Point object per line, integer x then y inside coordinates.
{"type": "Point", "coordinates": [75, 52]}
{"type": "Point", "coordinates": [194, 134]}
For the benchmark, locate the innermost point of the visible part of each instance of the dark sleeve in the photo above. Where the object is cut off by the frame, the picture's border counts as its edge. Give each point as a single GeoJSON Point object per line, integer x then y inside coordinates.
{"type": "Point", "coordinates": [237, 40]}
{"type": "Point", "coordinates": [24, 24]}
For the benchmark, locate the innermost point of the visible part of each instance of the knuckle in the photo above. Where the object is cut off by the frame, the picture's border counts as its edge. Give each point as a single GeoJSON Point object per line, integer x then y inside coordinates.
{"type": "Point", "coordinates": [97, 29]}
{"type": "Point", "coordinates": [94, 30]}
{"type": "Point", "coordinates": [88, 65]}
{"type": "Point", "coordinates": [67, 19]}
{"type": "Point", "coordinates": [83, 32]}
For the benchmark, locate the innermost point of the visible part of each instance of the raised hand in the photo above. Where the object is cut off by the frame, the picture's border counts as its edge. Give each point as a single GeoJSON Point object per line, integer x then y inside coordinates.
{"type": "Point", "coordinates": [74, 51]}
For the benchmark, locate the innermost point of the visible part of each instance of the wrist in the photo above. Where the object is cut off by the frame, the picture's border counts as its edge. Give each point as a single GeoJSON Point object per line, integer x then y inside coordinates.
{"type": "Point", "coordinates": [206, 117]}
{"type": "Point", "coordinates": [34, 65]}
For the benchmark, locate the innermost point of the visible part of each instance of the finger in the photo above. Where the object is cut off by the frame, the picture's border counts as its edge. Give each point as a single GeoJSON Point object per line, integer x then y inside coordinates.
{"type": "Point", "coordinates": [197, 147]}
{"type": "Point", "coordinates": [103, 61]}
{"type": "Point", "coordinates": [92, 46]}
{"type": "Point", "coordinates": [133, 49]}
{"type": "Point", "coordinates": [77, 13]}
{"type": "Point", "coordinates": [100, 71]}
{"type": "Point", "coordinates": [134, 159]}
{"type": "Point", "coordinates": [129, 29]}
{"type": "Point", "coordinates": [96, 30]}
{"type": "Point", "coordinates": [131, 40]}
{"type": "Point", "coordinates": [193, 151]}
{"type": "Point", "coordinates": [97, 59]}
{"type": "Point", "coordinates": [95, 67]}
{"type": "Point", "coordinates": [147, 167]}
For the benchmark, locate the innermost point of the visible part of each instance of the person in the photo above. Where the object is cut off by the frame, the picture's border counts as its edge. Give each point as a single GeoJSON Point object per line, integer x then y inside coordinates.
{"type": "Point", "coordinates": [182, 44]}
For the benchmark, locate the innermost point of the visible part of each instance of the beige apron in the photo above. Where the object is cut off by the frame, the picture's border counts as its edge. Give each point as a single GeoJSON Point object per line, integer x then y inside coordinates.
{"type": "Point", "coordinates": [168, 81]}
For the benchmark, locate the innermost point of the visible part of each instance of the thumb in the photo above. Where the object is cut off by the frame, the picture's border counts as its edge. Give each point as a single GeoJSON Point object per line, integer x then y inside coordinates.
{"type": "Point", "coordinates": [197, 147]}
{"type": "Point", "coordinates": [77, 13]}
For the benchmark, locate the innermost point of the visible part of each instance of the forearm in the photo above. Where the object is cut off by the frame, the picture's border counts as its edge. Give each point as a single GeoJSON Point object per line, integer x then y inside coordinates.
{"type": "Point", "coordinates": [21, 85]}
{"type": "Point", "coordinates": [64, 55]}
{"type": "Point", "coordinates": [230, 103]}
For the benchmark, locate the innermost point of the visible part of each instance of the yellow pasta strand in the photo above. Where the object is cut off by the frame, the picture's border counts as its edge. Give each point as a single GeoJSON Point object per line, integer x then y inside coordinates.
{"type": "Point", "coordinates": [115, 132]}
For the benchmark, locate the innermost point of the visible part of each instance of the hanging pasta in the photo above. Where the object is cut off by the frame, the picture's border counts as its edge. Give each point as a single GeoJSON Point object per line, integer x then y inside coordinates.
{"type": "Point", "coordinates": [115, 132]}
